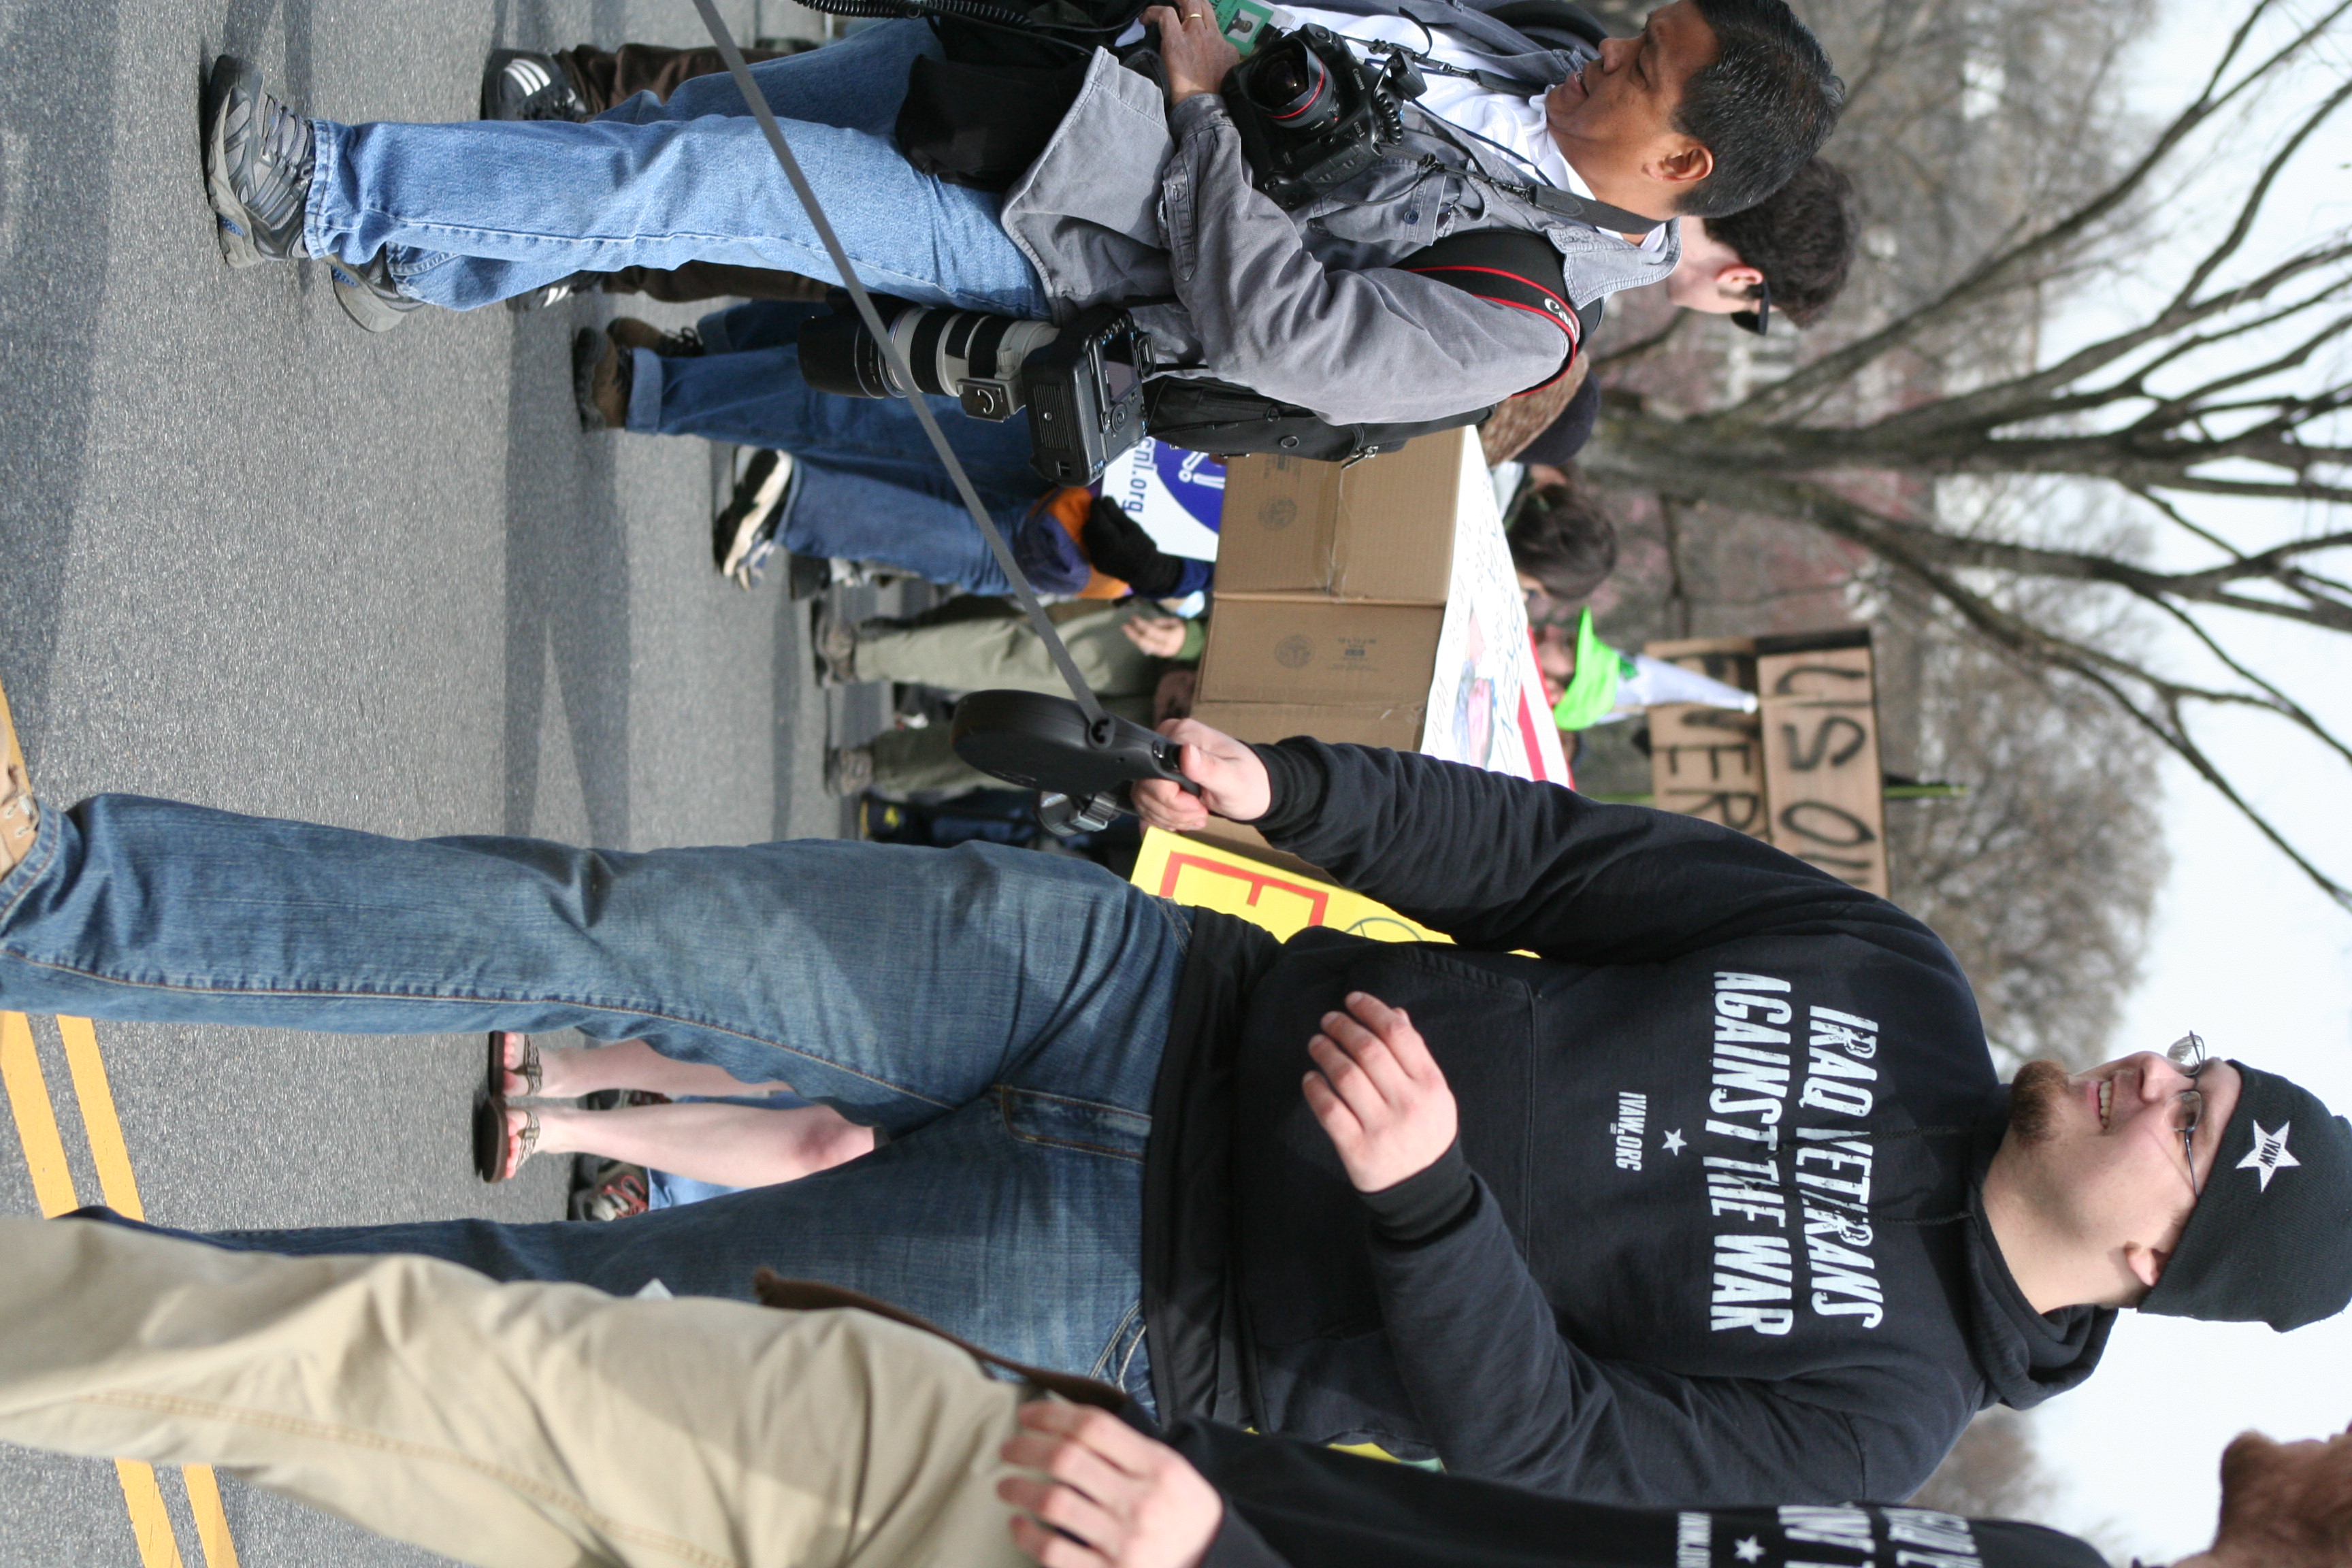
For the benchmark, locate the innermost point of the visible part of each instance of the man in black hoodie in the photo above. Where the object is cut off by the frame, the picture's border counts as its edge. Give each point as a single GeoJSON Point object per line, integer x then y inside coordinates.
{"type": "Point", "coordinates": [535, 1426]}
{"type": "Point", "coordinates": [1715, 1199]}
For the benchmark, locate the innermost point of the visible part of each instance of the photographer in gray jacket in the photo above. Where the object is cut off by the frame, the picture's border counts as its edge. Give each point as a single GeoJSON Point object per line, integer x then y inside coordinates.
{"type": "Point", "coordinates": [1141, 196]}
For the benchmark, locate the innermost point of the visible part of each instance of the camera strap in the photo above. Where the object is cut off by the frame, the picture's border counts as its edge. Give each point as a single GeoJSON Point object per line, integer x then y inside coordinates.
{"type": "Point", "coordinates": [1585, 210]}
{"type": "Point", "coordinates": [758, 103]}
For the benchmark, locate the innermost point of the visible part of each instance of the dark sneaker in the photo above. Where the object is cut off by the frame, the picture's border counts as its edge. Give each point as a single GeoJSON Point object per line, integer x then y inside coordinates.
{"type": "Point", "coordinates": [600, 381]}
{"type": "Point", "coordinates": [807, 576]}
{"type": "Point", "coordinates": [630, 333]}
{"type": "Point", "coordinates": [743, 534]}
{"type": "Point", "coordinates": [849, 770]}
{"type": "Point", "coordinates": [519, 85]}
{"type": "Point", "coordinates": [834, 642]}
{"type": "Point", "coordinates": [369, 296]}
{"type": "Point", "coordinates": [257, 156]}
{"type": "Point", "coordinates": [621, 1099]}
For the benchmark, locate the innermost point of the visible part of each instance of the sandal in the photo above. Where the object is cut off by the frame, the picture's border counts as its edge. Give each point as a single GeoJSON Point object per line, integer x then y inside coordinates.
{"type": "Point", "coordinates": [490, 1138]}
{"type": "Point", "coordinates": [530, 1069]}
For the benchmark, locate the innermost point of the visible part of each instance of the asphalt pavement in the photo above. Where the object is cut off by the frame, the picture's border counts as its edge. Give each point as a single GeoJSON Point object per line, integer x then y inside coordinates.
{"type": "Point", "coordinates": [257, 559]}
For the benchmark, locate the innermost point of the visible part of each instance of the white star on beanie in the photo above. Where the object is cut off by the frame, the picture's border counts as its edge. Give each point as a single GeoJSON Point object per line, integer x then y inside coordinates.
{"type": "Point", "coordinates": [2269, 1153]}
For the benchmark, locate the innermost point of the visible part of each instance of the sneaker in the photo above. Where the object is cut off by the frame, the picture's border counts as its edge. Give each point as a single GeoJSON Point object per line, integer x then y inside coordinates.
{"type": "Point", "coordinates": [621, 1099]}
{"type": "Point", "coordinates": [743, 534]}
{"type": "Point", "coordinates": [630, 333]}
{"type": "Point", "coordinates": [519, 85]}
{"type": "Point", "coordinates": [548, 294]}
{"type": "Point", "coordinates": [848, 771]}
{"type": "Point", "coordinates": [608, 1189]}
{"type": "Point", "coordinates": [258, 157]}
{"type": "Point", "coordinates": [600, 381]}
{"type": "Point", "coordinates": [806, 577]}
{"type": "Point", "coordinates": [834, 643]}
{"type": "Point", "coordinates": [369, 296]}
{"type": "Point", "coordinates": [20, 814]}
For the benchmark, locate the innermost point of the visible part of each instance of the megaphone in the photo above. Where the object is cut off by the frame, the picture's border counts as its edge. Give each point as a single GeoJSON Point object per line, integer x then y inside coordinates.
{"type": "Point", "coordinates": [1084, 769]}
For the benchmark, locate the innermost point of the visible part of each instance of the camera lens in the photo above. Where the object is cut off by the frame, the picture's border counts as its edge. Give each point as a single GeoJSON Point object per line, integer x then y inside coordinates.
{"type": "Point", "coordinates": [1292, 85]}
{"type": "Point", "coordinates": [839, 356]}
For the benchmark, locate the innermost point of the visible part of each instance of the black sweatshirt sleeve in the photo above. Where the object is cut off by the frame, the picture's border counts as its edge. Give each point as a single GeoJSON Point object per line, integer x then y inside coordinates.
{"type": "Point", "coordinates": [1500, 863]}
{"type": "Point", "coordinates": [1427, 1203]}
{"type": "Point", "coordinates": [1491, 1374]}
{"type": "Point", "coordinates": [1237, 1545]}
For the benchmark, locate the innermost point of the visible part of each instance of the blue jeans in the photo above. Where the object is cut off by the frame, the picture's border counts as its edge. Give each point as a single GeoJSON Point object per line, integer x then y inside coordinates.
{"type": "Point", "coordinates": [477, 211]}
{"type": "Point", "coordinates": [871, 489]}
{"type": "Point", "coordinates": [1001, 1012]}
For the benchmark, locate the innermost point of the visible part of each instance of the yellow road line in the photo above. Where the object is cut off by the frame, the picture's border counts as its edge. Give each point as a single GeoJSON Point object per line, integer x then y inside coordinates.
{"type": "Point", "coordinates": [36, 1122]}
{"type": "Point", "coordinates": [212, 1523]}
{"type": "Point", "coordinates": [53, 1189]}
{"type": "Point", "coordinates": [96, 1097]}
{"type": "Point", "coordinates": [45, 1159]}
{"type": "Point", "coordinates": [120, 1188]}
{"type": "Point", "coordinates": [150, 1524]}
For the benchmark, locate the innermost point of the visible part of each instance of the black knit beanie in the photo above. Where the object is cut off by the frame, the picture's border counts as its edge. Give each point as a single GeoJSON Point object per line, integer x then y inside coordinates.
{"type": "Point", "coordinates": [2271, 1239]}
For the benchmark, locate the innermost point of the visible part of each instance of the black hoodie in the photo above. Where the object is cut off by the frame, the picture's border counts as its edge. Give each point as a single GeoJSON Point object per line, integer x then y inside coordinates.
{"type": "Point", "coordinates": [1716, 1237]}
{"type": "Point", "coordinates": [1289, 1505]}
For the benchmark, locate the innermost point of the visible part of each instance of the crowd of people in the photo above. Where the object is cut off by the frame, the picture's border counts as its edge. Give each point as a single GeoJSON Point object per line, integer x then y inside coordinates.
{"type": "Point", "coordinates": [1672, 1213]}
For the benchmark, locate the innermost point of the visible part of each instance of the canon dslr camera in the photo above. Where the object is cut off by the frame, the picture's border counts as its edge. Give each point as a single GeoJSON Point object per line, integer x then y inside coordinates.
{"type": "Point", "coordinates": [1312, 115]}
{"type": "Point", "coordinates": [1082, 384]}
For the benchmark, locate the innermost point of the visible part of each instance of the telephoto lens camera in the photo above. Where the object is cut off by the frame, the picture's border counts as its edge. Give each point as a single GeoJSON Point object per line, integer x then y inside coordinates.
{"type": "Point", "coordinates": [1312, 116]}
{"type": "Point", "coordinates": [1082, 384]}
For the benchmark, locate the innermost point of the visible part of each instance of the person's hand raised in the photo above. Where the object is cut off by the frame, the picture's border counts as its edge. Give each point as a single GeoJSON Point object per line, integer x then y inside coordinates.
{"type": "Point", "coordinates": [1161, 637]}
{"type": "Point", "coordinates": [1378, 1094]}
{"type": "Point", "coordinates": [1193, 47]}
{"type": "Point", "coordinates": [1114, 1497]}
{"type": "Point", "coordinates": [1233, 781]}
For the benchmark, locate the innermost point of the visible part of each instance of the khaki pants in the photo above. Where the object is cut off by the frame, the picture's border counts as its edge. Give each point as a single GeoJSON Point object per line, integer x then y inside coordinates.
{"type": "Point", "coordinates": [521, 1426]}
{"type": "Point", "coordinates": [977, 653]}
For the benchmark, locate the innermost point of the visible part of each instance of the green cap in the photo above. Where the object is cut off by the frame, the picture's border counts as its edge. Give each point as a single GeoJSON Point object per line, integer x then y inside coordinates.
{"type": "Point", "coordinates": [1591, 691]}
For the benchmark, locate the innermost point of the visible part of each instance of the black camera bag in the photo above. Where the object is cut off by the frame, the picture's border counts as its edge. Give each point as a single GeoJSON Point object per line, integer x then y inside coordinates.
{"type": "Point", "coordinates": [983, 125]}
{"type": "Point", "coordinates": [1510, 266]}
{"type": "Point", "coordinates": [981, 112]}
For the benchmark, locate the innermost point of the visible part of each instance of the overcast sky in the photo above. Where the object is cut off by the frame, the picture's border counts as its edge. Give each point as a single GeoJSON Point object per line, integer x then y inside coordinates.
{"type": "Point", "coordinates": [2245, 950]}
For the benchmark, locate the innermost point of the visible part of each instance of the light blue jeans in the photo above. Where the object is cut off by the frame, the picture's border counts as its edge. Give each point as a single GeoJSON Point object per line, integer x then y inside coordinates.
{"type": "Point", "coordinates": [1001, 1012]}
{"type": "Point", "coordinates": [477, 211]}
{"type": "Point", "coordinates": [870, 489]}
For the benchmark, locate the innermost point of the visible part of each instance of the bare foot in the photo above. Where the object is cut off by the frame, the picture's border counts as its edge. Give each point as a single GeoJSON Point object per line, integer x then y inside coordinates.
{"type": "Point", "coordinates": [518, 1051]}
{"type": "Point", "coordinates": [522, 1139]}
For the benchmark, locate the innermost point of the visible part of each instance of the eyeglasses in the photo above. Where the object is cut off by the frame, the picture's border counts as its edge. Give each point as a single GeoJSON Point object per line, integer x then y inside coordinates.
{"type": "Point", "coordinates": [2187, 1054]}
{"type": "Point", "coordinates": [1758, 319]}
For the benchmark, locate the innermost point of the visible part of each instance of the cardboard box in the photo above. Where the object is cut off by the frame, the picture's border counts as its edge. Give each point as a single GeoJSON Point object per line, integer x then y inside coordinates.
{"type": "Point", "coordinates": [1375, 603]}
{"type": "Point", "coordinates": [1381, 529]}
{"type": "Point", "coordinates": [1397, 727]}
{"type": "Point", "coordinates": [1319, 652]}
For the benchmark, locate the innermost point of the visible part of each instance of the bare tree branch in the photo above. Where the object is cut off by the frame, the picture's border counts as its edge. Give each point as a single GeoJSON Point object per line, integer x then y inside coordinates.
{"type": "Point", "coordinates": [2159, 701]}
{"type": "Point", "coordinates": [2004, 269]}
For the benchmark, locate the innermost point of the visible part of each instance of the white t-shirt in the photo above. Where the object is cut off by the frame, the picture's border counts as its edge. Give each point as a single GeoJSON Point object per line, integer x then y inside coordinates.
{"type": "Point", "coordinates": [1516, 123]}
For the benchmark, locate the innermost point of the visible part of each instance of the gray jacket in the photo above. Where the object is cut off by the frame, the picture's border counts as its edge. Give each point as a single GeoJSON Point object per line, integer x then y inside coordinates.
{"type": "Point", "coordinates": [1132, 202]}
